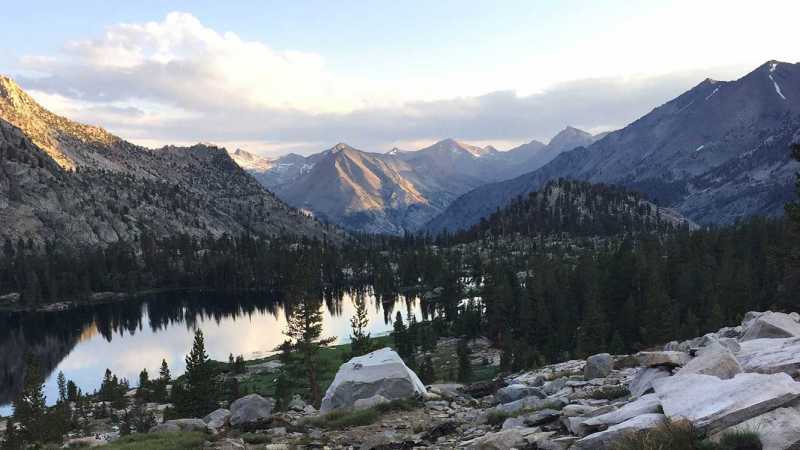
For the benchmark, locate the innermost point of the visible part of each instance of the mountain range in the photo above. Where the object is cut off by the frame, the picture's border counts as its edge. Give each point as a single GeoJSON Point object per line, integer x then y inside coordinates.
{"type": "Point", "coordinates": [717, 153]}
{"type": "Point", "coordinates": [397, 191]}
{"type": "Point", "coordinates": [80, 185]}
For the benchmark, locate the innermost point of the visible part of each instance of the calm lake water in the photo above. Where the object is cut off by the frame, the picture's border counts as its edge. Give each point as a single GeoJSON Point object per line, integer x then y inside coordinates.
{"type": "Point", "coordinates": [127, 337]}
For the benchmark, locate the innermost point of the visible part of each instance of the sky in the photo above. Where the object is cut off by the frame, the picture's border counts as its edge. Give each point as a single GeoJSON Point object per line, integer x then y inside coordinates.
{"type": "Point", "coordinates": [300, 76]}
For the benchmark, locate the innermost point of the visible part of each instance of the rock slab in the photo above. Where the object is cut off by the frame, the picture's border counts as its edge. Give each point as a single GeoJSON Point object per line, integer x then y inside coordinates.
{"type": "Point", "coordinates": [771, 325]}
{"type": "Point", "coordinates": [714, 359]}
{"type": "Point", "coordinates": [712, 404]}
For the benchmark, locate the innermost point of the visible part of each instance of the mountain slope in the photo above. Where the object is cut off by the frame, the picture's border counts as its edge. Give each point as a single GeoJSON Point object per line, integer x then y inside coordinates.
{"type": "Point", "coordinates": [397, 191]}
{"type": "Point", "coordinates": [578, 208]}
{"type": "Point", "coordinates": [370, 192]}
{"type": "Point", "coordinates": [80, 185]}
{"type": "Point", "coordinates": [716, 153]}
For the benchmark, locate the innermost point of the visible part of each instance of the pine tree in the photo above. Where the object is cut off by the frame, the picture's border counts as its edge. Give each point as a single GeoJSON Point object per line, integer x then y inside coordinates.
{"type": "Point", "coordinates": [360, 343]}
{"type": "Point", "coordinates": [160, 385]}
{"type": "Point", "coordinates": [426, 371]}
{"type": "Point", "coordinates": [402, 340]}
{"type": "Point", "coordinates": [201, 388]}
{"type": "Point", "coordinates": [144, 390]}
{"type": "Point", "coordinates": [591, 337]}
{"type": "Point", "coordinates": [304, 328]}
{"type": "Point", "coordinates": [61, 380]}
{"type": "Point", "coordinates": [72, 391]}
{"type": "Point", "coordinates": [30, 411]}
{"type": "Point", "coordinates": [163, 374]}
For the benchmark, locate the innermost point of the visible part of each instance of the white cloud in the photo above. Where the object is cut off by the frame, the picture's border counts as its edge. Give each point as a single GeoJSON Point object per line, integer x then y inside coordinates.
{"type": "Point", "coordinates": [179, 81]}
{"type": "Point", "coordinates": [181, 62]}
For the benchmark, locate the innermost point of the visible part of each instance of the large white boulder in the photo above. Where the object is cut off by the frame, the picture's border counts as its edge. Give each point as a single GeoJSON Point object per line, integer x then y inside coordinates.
{"type": "Point", "coordinates": [606, 439]}
{"type": "Point", "coordinates": [714, 359]}
{"type": "Point", "coordinates": [381, 372]}
{"type": "Point", "coordinates": [712, 404]}
{"type": "Point", "coordinates": [771, 325]}
{"type": "Point", "coordinates": [770, 355]}
{"type": "Point", "coordinates": [778, 429]}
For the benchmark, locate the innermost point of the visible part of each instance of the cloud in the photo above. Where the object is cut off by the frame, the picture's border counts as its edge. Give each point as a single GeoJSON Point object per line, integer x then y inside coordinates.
{"type": "Point", "coordinates": [178, 81]}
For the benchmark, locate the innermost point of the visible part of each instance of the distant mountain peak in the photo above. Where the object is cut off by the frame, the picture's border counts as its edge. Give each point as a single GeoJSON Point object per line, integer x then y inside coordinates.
{"type": "Point", "coordinates": [340, 147]}
{"type": "Point", "coordinates": [453, 146]}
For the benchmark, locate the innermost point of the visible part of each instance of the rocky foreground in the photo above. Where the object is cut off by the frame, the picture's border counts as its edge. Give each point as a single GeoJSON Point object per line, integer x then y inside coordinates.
{"type": "Point", "coordinates": [739, 378]}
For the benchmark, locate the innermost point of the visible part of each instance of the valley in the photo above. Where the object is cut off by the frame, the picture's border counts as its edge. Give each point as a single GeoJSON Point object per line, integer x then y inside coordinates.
{"type": "Point", "coordinates": [405, 226]}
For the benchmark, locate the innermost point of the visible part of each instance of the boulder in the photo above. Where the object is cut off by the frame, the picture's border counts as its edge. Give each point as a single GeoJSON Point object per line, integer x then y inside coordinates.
{"type": "Point", "coordinates": [642, 383]}
{"type": "Point", "coordinates": [369, 402]}
{"type": "Point", "coordinates": [665, 358]}
{"type": "Point", "coordinates": [180, 425]}
{"type": "Point", "coordinates": [770, 355]}
{"type": "Point", "coordinates": [712, 404]}
{"type": "Point", "coordinates": [513, 422]}
{"type": "Point", "coordinates": [606, 439]}
{"type": "Point", "coordinates": [540, 417]}
{"type": "Point", "coordinates": [598, 366]}
{"type": "Point", "coordinates": [771, 325]}
{"type": "Point", "coordinates": [529, 403]}
{"type": "Point", "coordinates": [576, 410]}
{"type": "Point", "coordinates": [297, 403]}
{"type": "Point", "coordinates": [449, 391]}
{"type": "Point", "coordinates": [517, 391]}
{"type": "Point", "coordinates": [714, 359]}
{"type": "Point", "coordinates": [531, 379]}
{"type": "Point", "coordinates": [381, 372]}
{"type": "Point", "coordinates": [217, 419]}
{"type": "Point", "coordinates": [647, 404]}
{"type": "Point", "coordinates": [506, 439]}
{"type": "Point", "coordinates": [552, 387]}
{"type": "Point", "coordinates": [778, 429]}
{"type": "Point", "coordinates": [732, 344]}
{"type": "Point", "coordinates": [250, 409]}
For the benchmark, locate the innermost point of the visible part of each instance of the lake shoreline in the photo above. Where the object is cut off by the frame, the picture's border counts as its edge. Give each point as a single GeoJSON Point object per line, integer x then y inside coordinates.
{"type": "Point", "coordinates": [110, 297]}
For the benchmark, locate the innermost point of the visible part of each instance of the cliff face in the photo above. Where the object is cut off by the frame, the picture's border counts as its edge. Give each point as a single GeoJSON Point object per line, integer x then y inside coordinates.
{"type": "Point", "coordinates": [78, 184]}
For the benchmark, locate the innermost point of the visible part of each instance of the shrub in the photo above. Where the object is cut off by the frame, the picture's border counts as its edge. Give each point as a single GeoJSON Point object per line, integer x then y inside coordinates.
{"type": "Point", "coordinates": [495, 418]}
{"type": "Point", "coordinates": [256, 438]}
{"type": "Point", "coordinates": [740, 440]}
{"type": "Point", "coordinates": [610, 393]}
{"type": "Point", "coordinates": [159, 441]}
{"type": "Point", "coordinates": [683, 436]}
{"type": "Point", "coordinates": [344, 418]}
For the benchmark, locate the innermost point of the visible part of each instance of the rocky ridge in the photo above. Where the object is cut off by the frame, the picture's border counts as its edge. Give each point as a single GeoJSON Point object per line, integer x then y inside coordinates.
{"type": "Point", "coordinates": [716, 153]}
{"type": "Point", "coordinates": [80, 185]}
{"type": "Point", "coordinates": [398, 191]}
